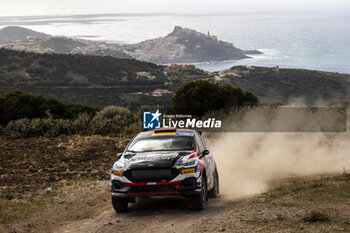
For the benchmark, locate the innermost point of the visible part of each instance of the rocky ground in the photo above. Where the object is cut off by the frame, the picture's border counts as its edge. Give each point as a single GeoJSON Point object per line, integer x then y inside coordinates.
{"type": "Point", "coordinates": [61, 185]}
{"type": "Point", "coordinates": [31, 165]}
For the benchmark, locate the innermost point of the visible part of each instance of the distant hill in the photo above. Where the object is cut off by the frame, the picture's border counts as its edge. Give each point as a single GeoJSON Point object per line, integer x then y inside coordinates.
{"type": "Point", "coordinates": [100, 81]}
{"type": "Point", "coordinates": [284, 85]}
{"type": "Point", "coordinates": [22, 39]}
{"type": "Point", "coordinates": [14, 33]}
{"type": "Point", "coordinates": [61, 44]}
{"type": "Point", "coordinates": [184, 45]}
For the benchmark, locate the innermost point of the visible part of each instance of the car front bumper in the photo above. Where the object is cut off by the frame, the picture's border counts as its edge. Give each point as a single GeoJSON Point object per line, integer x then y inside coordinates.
{"type": "Point", "coordinates": [187, 186]}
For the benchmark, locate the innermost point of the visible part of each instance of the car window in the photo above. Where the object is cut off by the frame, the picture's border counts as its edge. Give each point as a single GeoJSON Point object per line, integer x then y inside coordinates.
{"type": "Point", "coordinates": [202, 139]}
{"type": "Point", "coordinates": [200, 144]}
{"type": "Point", "coordinates": [157, 143]}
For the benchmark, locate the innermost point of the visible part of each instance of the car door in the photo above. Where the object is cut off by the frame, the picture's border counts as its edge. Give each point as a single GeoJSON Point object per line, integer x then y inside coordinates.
{"type": "Point", "coordinates": [209, 161]}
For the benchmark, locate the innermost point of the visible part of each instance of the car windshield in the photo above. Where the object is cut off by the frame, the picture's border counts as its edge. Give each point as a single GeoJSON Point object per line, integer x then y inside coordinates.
{"type": "Point", "coordinates": [162, 143]}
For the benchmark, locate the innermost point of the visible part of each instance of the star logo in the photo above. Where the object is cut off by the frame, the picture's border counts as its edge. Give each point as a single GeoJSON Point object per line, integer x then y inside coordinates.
{"type": "Point", "coordinates": [156, 115]}
{"type": "Point", "coordinates": [151, 120]}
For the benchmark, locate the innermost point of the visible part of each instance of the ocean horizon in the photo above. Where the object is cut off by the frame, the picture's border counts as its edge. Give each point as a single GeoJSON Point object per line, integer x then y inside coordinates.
{"type": "Point", "coordinates": [293, 40]}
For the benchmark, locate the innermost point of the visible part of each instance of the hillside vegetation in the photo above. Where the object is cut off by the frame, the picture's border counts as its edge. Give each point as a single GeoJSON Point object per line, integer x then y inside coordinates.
{"type": "Point", "coordinates": [284, 85]}
{"type": "Point", "coordinates": [14, 33]}
{"type": "Point", "coordinates": [100, 81]}
{"type": "Point", "coordinates": [89, 80]}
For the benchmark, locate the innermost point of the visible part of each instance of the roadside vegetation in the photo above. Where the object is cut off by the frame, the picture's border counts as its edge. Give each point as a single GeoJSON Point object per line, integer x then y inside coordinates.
{"type": "Point", "coordinates": [201, 96]}
{"type": "Point", "coordinates": [25, 115]}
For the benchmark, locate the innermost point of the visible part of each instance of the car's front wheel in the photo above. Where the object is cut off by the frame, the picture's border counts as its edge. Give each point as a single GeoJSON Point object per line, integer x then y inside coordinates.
{"type": "Point", "coordinates": [120, 204]}
{"type": "Point", "coordinates": [199, 200]}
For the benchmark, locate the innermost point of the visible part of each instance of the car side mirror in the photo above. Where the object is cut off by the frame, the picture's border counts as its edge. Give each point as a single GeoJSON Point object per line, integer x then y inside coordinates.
{"type": "Point", "coordinates": [205, 152]}
{"type": "Point", "coordinates": [119, 155]}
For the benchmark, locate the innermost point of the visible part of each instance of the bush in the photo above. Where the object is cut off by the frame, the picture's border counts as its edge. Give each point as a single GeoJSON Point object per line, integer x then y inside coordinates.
{"type": "Point", "coordinates": [47, 127]}
{"type": "Point", "coordinates": [82, 124]}
{"type": "Point", "coordinates": [316, 216]}
{"type": "Point", "coordinates": [112, 119]}
{"type": "Point", "coordinates": [201, 96]}
{"type": "Point", "coordinates": [18, 128]}
{"type": "Point", "coordinates": [19, 105]}
{"type": "Point", "coordinates": [58, 127]}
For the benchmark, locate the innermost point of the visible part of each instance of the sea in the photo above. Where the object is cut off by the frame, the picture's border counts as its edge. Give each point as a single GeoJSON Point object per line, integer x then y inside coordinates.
{"type": "Point", "coordinates": [317, 41]}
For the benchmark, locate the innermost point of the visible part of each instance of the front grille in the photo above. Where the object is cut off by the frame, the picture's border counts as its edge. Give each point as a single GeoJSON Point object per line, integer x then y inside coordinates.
{"type": "Point", "coordinates": [153, 188]}
{"type": "Point", "coordinates": [154, 175]}
{"type": "Point", "coordinates": [160, 173]}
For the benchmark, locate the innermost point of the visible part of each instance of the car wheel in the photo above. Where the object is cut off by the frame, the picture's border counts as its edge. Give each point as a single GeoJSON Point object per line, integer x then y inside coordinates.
{"type": "Point", "coordinates": [215, 190]}
{"type": "Point", "coordinates": [120, 204]}
{"type": "Point", "coordinates": [199, 200]}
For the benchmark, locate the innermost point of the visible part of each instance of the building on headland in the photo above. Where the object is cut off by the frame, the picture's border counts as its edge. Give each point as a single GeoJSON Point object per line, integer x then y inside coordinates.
{"type": "Point", "coordinates": [173, 68]}
{"type": "Point", "coordinates": [161, 92]}
{"type": "Point", "coordinates": [143, 74]}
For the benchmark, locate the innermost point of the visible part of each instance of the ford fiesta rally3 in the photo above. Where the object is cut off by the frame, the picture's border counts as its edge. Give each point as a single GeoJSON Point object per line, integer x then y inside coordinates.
{"type": "Point", "coordinates": [165, 161]}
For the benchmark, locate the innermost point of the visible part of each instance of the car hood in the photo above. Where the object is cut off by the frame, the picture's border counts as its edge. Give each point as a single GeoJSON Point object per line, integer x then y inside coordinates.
{"type": "Point", "coordinates": [152, 160]}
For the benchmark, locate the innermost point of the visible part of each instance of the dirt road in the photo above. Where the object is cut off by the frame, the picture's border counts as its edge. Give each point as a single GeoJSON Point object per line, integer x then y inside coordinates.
{"type": "Point", "coordinates": [87, 208]}
{"type": "Point", "coordinates": [64, 188]}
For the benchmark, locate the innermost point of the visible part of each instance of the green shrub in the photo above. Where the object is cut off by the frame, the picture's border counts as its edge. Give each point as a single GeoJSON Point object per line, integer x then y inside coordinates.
{"type": "Point", "coordinates": [19, 105]}
{"type": "Point", "coordinates": [58, 127]}
{"type": "Point", "coordinates": [18, 128]}
{"type": "Point", "coordinates": [201, 96]}
{"type": "Point", "coordinates": [38, 127]}
{"type": "Point", "coordinates": [133, 128]}
{"type": "Point", "coordinates": [112, 119]}
{"type": "Point", "coordinates": [316, 216]}
{"type": "Point", "coordinates": [82, 124]}
{"type": "Point", "coordinates": [47, 127]}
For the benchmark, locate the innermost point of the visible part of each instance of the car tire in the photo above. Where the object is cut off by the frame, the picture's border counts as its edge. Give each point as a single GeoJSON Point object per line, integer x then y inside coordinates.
{"type": "Point", "coordinates": [120, 204]}
{"type": "Point", "coordinates": [199, 200]}
{"type": "Point", "coordinates": [214, 192]}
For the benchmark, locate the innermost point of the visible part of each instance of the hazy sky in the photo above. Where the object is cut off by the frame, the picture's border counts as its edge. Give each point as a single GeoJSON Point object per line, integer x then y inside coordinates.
{"type": "Point", "coordinates": [34, 7]}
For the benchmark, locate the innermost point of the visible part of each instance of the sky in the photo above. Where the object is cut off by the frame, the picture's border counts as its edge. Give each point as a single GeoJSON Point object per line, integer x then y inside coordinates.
{"type": "Point", "coordinates": [49, 7]}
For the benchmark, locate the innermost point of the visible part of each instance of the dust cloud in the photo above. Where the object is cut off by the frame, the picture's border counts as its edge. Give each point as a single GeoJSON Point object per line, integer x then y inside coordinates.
{"type": "Point", "coordinates": [248, 162]}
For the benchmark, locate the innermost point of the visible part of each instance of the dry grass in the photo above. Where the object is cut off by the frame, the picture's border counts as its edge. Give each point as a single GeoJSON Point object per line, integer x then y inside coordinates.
{"type": "Point", "coordinates": [12, 210]}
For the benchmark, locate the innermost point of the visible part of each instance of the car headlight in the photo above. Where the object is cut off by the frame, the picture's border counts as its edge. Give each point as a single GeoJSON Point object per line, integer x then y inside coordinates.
{"type": "Point", "coordinates": [118, 166]}
{"type": "Point", "coordinates": [189, 163]}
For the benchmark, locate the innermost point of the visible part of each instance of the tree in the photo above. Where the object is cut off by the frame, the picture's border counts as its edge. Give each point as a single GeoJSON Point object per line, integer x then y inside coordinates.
{"type": "Point", "coordinates": [112, 119]}
{"type": "Point", "coordinates": [201, 96]}
{"type": "Point", "coordinates": [18, 105]}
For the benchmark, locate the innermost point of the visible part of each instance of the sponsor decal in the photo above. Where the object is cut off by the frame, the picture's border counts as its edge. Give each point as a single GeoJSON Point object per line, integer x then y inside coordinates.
{"type": "Point", "coordinates": [184, 133]}
{"type": "Point", "coordinates": [120, 174]}
{"type": "Point", "coordinates": [188, 171]}
{"type": "Point", "coordinates": [164, 133]}
{"type": "Point", "coordinates": [151, 158]}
